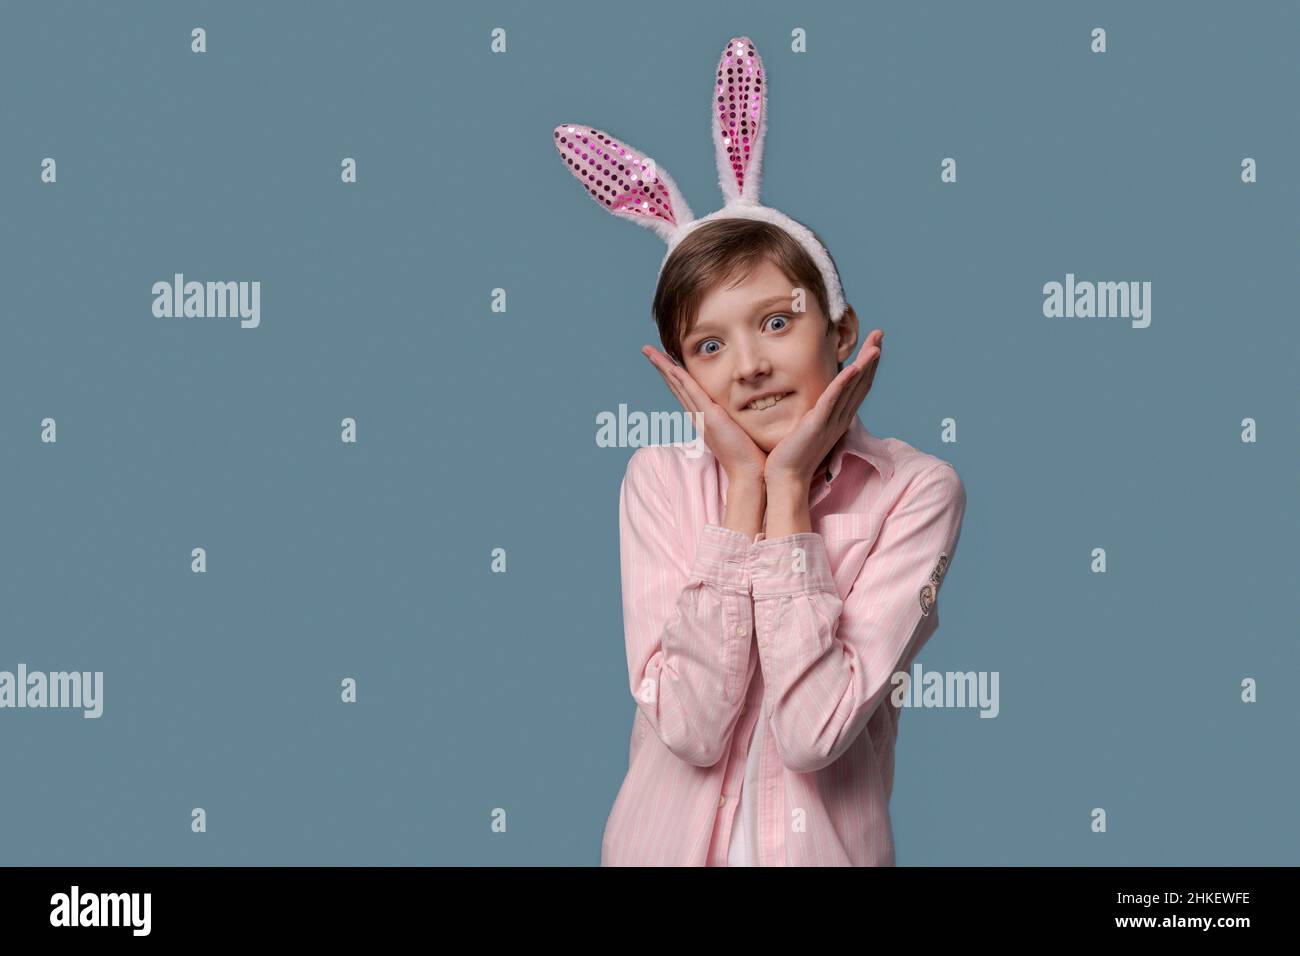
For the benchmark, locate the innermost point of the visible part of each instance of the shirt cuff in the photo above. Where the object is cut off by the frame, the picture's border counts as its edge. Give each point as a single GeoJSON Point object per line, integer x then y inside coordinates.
{"type": "Point", "coordinates": [720, 558]}
{"type": "Point", "coordinates": [778, 569]}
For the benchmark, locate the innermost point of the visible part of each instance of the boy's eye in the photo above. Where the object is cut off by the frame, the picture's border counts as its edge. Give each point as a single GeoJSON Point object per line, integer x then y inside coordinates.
{"type": "Point", "coordinates": [700, 347]}
{"type": "Point", "coordinates": [783, 319]}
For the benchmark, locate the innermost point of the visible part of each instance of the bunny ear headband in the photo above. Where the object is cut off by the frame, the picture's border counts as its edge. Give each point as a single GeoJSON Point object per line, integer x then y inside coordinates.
{"type": "Point", "coordinates": [632, 186]}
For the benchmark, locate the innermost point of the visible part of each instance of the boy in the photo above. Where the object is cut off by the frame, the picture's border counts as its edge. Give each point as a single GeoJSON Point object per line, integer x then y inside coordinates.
{"type": "Point", "coordinates": [772, 588]}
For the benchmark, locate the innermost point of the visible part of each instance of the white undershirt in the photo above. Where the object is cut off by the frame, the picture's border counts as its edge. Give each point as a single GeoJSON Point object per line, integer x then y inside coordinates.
{"type": "Point", "coordinates": [744, 825]}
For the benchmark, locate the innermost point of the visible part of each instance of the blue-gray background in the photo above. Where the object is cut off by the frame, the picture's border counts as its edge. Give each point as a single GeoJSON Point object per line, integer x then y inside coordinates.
{"type": "Point", "coordinates": [477, 429]}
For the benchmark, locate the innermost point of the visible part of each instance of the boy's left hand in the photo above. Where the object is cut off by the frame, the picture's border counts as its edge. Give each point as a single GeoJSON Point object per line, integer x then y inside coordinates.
{"type": "Point", "coordinates": [794, 459]}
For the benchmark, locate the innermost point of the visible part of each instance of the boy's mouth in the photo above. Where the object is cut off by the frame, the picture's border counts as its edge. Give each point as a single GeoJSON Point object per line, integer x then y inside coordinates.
{"type": "Point", "coordinates": [767, 402]}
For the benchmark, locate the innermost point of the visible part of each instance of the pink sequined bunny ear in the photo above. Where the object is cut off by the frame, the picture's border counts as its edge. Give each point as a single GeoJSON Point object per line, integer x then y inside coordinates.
{"type": "Point", "coordinates": [622, 179]}
{"type": "Point", "coordinates": [740, 120]}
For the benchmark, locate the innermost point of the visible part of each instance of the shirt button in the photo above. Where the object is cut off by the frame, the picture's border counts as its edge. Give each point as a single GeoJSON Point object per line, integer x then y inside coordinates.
{"type": "Point", "coordinates": [742, 630]}
{"type": "Point", "coordinates": [722, 799]}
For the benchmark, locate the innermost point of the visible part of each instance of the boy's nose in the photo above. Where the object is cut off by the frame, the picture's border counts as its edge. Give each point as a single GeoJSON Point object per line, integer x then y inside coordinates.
{"type": "Point", "coordinates": [751, 365]}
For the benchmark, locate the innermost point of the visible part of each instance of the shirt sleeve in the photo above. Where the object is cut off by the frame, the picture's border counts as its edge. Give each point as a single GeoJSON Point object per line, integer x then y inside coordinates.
{"type": "Point", "coordinates": [829, 662]}
{"type": "Point", "coordinates": [688, 629]}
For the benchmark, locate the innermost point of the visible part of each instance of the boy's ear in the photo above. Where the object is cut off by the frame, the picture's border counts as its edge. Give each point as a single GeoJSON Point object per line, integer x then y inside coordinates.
{"type": "Point", "coordinates": [847, 331]}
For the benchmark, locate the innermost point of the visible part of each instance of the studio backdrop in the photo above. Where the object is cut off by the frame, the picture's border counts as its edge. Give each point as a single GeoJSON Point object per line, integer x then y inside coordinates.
{"type": "Point", "coordinates": [309, 550]}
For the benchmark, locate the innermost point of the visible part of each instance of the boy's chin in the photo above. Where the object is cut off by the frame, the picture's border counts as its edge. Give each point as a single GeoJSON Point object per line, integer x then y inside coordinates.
{"type": "Point", "coordinates": [767, 439]}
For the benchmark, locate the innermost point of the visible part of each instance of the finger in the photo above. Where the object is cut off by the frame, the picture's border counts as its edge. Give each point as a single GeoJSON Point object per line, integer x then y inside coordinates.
{"type": "Point", "coordinates": [850, 379]}
{"type": "Point", "coordinates": [695, 394]}
{"type": "Point", "coordinates": [692, 388]}
{"type": "Point", "coordinates": [866, 364]}
{"type": "Point", "coordinates": [679, 378]}
{"type": "Point", "coordinates": [665, 369]}
{"type": "Point", "coordinates": [676, 389]}
{"type": "Point", "coordinates": [847, 403]}
{"type": "Point", "coordinates": [677, 392]}
{"type": "Point", "coordinates": [839, 385]}
{"type": "Point", "coordinates": [850, 396]}
{"type": "Point", "coordinates": [861, 385]}
{"type": "Point", "coordinates": [873, 364]}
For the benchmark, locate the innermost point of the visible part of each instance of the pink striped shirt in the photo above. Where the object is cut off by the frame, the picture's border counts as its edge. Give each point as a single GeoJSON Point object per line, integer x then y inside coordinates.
{"type": "Point", "coordinates": [713, 619]}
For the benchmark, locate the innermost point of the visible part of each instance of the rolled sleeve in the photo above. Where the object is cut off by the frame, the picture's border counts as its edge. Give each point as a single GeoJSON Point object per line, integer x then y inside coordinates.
{"type": "Point", "coordinates": [796, 563]}
{"type": "Point", "coordinates": [720, 556]}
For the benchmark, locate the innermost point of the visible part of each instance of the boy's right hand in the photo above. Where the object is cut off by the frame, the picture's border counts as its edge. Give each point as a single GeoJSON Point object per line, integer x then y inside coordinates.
{"type": "Point", "coordinates": [742, 460]}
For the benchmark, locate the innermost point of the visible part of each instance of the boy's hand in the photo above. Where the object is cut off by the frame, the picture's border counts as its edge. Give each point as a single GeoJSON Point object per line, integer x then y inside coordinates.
{"type": "Point", "coordinates": [794, 460]}
{"type": "Point", "coordinates": [731, 445]}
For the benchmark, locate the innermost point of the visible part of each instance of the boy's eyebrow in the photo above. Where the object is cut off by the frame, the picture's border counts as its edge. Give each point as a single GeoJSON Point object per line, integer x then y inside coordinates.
{"type": "Point", "coordinates": [757, 307]}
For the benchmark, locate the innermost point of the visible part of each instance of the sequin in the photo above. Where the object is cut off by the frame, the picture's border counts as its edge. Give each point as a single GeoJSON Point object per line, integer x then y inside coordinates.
{"type": "Point", "coordinates": [740, 92]}
{"type": "Point", "coordinates": [617, 175]}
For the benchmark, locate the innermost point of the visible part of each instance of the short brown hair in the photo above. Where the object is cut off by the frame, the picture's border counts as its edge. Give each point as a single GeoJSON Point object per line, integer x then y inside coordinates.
{"type": "Point", "coordinates": [717, 251]}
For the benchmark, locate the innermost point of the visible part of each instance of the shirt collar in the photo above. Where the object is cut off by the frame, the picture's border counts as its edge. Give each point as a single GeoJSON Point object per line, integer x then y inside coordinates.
{"type": "Point", "coordinates": [856, 441]}
{"type": "Point", "coordinates": [859, 442]}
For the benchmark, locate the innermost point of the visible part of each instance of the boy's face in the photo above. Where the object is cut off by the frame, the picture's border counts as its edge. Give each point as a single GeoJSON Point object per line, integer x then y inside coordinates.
{"type": "Point", "coordinates": [747, 341]}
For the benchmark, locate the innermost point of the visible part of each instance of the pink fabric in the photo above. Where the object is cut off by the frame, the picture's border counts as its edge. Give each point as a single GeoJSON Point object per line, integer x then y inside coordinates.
{"type": "Point", "coordinates": [714, 623]}
{"type": "Point", "coordinates": [739, 105]}
{"type": "Point", "coordinates": [622, 178]}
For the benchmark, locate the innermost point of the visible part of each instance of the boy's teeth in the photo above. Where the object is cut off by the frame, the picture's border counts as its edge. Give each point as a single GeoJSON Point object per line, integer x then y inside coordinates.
{"type": "Point", "coordinates": [765, 402]}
